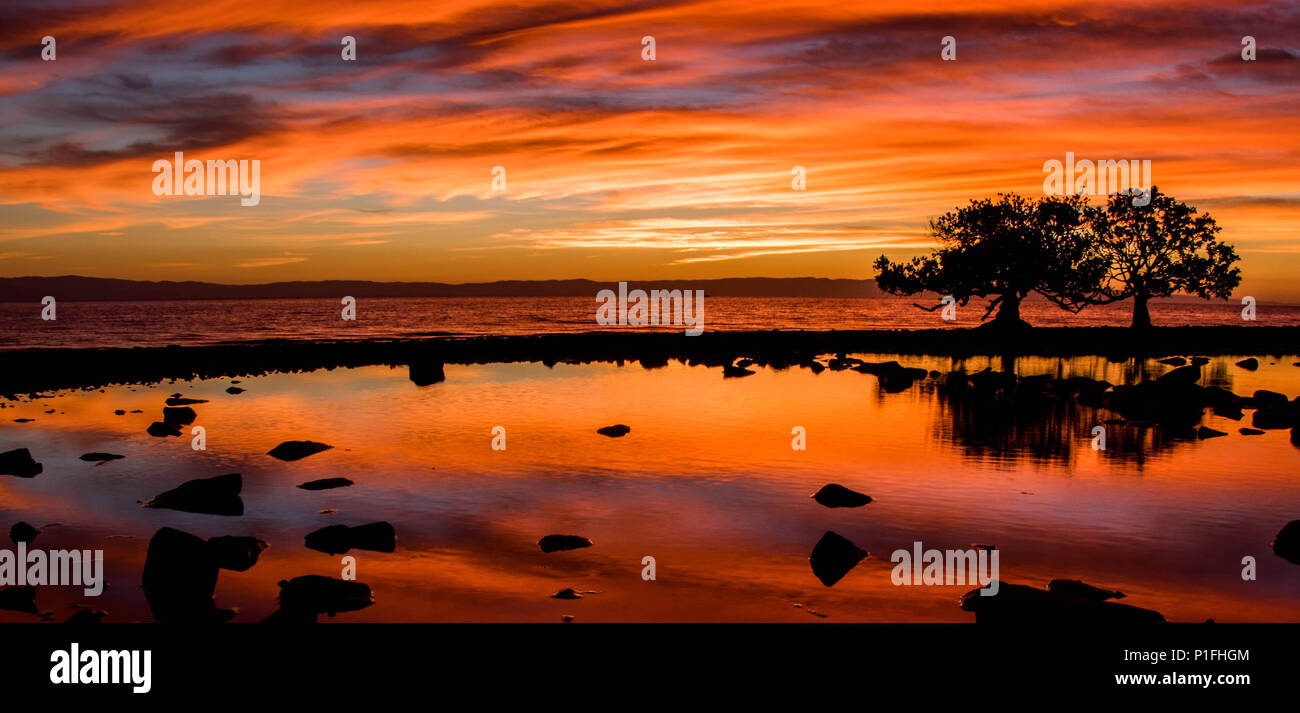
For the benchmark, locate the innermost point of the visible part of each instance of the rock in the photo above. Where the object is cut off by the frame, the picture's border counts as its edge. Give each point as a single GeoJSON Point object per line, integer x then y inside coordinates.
{"type": "Point", "coordinates": [303, 598]}
{"type": "Point", "coordinates": [179, 415]}
{"type": "Point", "coordinates": [1250, 431]}
{"type": "Point", "coordinates": [731, 371]}
{"type": "Point", "coordinates": [557, 543]}
{"type": "Point", "coordinates": [1173, 361]}
{"type": "Point", "coordinates": [1251, 363]}
{"type": "Point", "coordinates": [120, 412]}
{"type": "Point", "coordinates": [19, 463]}
{"type": "Point", "coordinates": [180, 576]}
{"type": "Point", "coordinates": [1073, 603]}
{"type": "Point", "coordinates": [86, 615]}
{"type": "Point", "coordinates": [1295, 436]}
{"type": "Point", "coordinates": [297, 450]}
{"type": "Point", "coordinates": [162, 430]}
{"type": "Point", "coordinates": [566, 618]}
{"type": "Point", "coordinates": [23, 420]}
{"type": "Point", "coordinates": [1274, 417]}
{"type": "Point", "coordinates": [1207, 432]}
{"type": "Point", "coordinates": [19, 599]}
{"type": "Point", "coordinates": [838, 496]}
{"type": "Point", "coordinates": [22, 532]}
{"type": "Point", "coordinates": [424, 373]}
{"type": "Point", "coordinates": [618, 430]}
{"type": "Point", "coordinates": [1269, 399]}
{"type": "Point", "coordinates": [325, 484]}
{"type": "Point", "coordinates": [1287, 542]}
{"type": "Point", "coordinates": [1182, 375]}
{"type": "Point", "coordinates": [236, 553]}
{"type": "Point", "coordinates": [337, 539]}
{"type": "Point", "coordinates": [182, 401]}
{"type": "Point", "coordinates": [833, 557]}
{"type": "Point", "coordinates": [234, 390]}
{"type": "Point", "coordinates": [100, 457]}
{"type": "Point", "coordinates": [208, 496]}
{"type": "Point", "coordinates": [566, 593]}
{"type": "Point", "coordinates": [1200, 361]}
{"type": "Point", "coordinates": [1076, 588]}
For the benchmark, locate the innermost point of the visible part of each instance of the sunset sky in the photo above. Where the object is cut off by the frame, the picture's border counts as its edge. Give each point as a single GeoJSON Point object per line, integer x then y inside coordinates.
{"type": "Point", "coordinates": [619, 168]}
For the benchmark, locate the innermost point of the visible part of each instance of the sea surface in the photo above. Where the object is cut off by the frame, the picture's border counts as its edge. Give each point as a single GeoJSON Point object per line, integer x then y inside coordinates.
{"type": "Point", "coordinates": [706, 482]}
{"type": "Point", "coordinates": [158, 323]}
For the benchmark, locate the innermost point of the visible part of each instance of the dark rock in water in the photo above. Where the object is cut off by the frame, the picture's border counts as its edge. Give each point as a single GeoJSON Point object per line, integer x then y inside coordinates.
{"type": "Point", "coordinates": [835, 495]}
{"type": "Point", "coordinates": [1181, 375]}
{"type": "Point", "coordinates": [120, 412]}
{"type": "Point", "coordinates": [732, 371]}
{"type": "Point", "coordinates": [208, 496]}
{"type": "Point", "coordinates": [234, 390]}
{"type": "Point", "coordinates": [236, 553]}
{"type": "Point", "coordinates": [618, 430]}
{"type": "Point", "coordinates": [325, 484]}
{"type": "Point", "coordinates": [179, 415]}
{"type": "Point", "coordinates": [1274, 417]}
{"type": "Point", "coordinates": [19, 599]}
{"type": "Point", "coordinates": [1076, 588]}
{"type": "Point", "coordinates": [303, 598]}
{"type": "Point", "coordinates": [19, 463]}
{"type": "Point", "coordinates": [566, 618]}
{"type": "Point", "coordinates": [1173, 361]}
{"type": "Point", "coordinates": [1287, 542]}
{"type": "Point", "coordinates": [815, 366]}
{"type": "Point", "coordinates": [1269, 399]}
{"type": "Point", "coordinates": [22, 532]}
{"type": "Point", "coordinates": [100, 457]}
{"type": "Point", "coordinates": [556, 543]}
{"type": "Point", "coordinates": [1295, 436]}
{"type": "Point", "coordinates": [894, 377]}
{"type": "Point", "coordinates": [1074, 602]}
{"type": "Point", "coordinates": [833, 557]}
{"type": "Point", "coordinates": [162, 430]}
{"type": "Point", "coordinates": [1200, 361]}
{"type": "Point", "coordinates": [180, 576]}
{"type": "Point", "coordinates": [297, 450]}
{"type": "Point", "coordinates": [86, 616]}
{"type": "Point", "coordinates": [337, 539]}
{"type": "Point", "coordinates": [566, 593]}
{"type": "Point", "coordinates": [1250, 431]}
{"type": "Point", "coordinates": [1207, 432]}
{"type": "Point", "coordinates": [1251, 363]}
{"type": "Point", "coordinates": [182, 401]}
{"type": "Point", "coordinates": [424, 373]}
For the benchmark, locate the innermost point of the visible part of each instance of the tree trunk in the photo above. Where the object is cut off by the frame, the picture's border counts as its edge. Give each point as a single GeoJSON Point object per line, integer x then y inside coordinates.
{"type": "Point", "coordinates": [1009, 311]}
{"type": "Point", "coordinates": [1141, 314]}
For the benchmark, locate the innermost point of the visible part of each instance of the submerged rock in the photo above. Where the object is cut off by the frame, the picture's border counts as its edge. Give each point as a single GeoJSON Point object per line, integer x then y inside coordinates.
{"type": "Point", "coordinates": [337, 539]}
{"type": "Point", "coordinates": [22, 532]}
{"type": "Point", "coordinates": [179, 415]}
{"type": "Point", "coordinates": [180, 576]}
{"type": "Point", "coordinates": [1251, 363]}
{"type": "Point", "coordinates": [208, 496]}
{"type": "Point", "coordinates": [835, 495]}
{"type": "Point", "coordinates": [19, 599]}
{"type": "Point", "coordinates": [303, 598]}
{"type": "Point", "coordinates": [235, 390]}
{"type": "Point", "coordinates": [1287, 542]}
{"type": "Point", "coordinates": [236, 553]}
{"type": "Point", "coordinates": [1071, 601]}
{"type": "Point", "coordinates": [183, 401]}
{"type": "Point", "coordinates": [86, 615]}
{"type": "Point", "coordinates": [556, 543]}
{"type": "Point", "coordinates": [100, 457]}
{"type": "Point", "coordinates": [162, 430]}
{"type": "Point", "coordinates": [19, 463]}
{"type": "Point", "coordinates": [618, 430]}
{"type": "Point", "coordinates": [833, 557]}
{"type": "Point", "coordinates": [297, 450]}
{"type": "Point", "coordinates": [424, 373]}
{"type": "Point", "coordinates": [325, 484]}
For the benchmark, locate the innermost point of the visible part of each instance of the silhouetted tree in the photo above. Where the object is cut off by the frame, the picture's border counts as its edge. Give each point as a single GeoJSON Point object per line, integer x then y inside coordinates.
{"type": "Point", "coordinates": [1159, 249]}
{"type": "Point", "coordinates": [1006, 249]}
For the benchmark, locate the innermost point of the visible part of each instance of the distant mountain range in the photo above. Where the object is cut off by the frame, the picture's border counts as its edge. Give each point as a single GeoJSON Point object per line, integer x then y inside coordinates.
{"type": "Point", "coordinates": [75, 288]}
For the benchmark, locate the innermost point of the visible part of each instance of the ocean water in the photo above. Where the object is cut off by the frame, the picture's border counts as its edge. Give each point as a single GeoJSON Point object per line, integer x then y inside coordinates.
{"type": "Point", "coordinates": [157, 323]}
{"type": "Point", "coordinates": [706, 482]}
